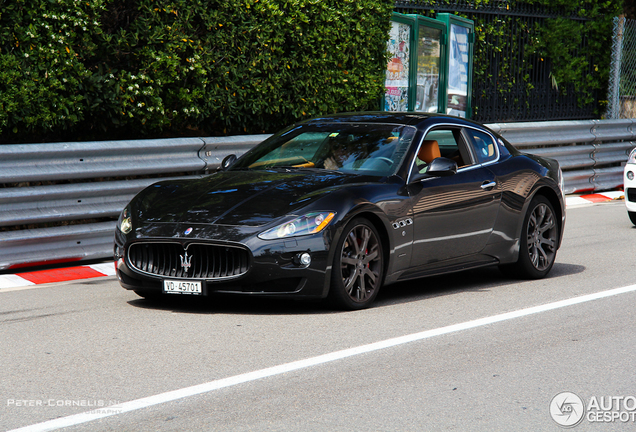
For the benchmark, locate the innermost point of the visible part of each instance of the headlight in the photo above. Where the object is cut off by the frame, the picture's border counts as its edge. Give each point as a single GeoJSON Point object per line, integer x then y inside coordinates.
{"type": "Point", "coordinates": [125, 223]}
{"type": "Point", "coordinates": [311, 223]}
{"type": "Point", "coordinates": [632, 157]}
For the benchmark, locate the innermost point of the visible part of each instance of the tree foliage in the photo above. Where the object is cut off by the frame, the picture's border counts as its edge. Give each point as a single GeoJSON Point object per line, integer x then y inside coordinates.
{"type": "Point", "coordinates": [96, 69]}
{"type": "Point", "coordinates": [108, 69]}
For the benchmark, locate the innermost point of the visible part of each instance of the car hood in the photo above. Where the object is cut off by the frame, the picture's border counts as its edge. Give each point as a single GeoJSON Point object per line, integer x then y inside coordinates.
{"type": "Point", "coordinates": [249, 198]}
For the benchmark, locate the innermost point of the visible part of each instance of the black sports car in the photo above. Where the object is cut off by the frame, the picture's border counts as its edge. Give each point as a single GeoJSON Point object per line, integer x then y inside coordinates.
{"type": "Point", "coordinates": [340, 206]}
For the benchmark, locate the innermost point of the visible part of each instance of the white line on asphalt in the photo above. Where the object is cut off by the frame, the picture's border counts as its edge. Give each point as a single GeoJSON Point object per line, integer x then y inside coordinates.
{"type": "Point", "coordinates": [170, 396]}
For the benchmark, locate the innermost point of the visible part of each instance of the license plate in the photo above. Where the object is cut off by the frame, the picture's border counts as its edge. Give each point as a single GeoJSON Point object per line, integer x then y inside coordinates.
{"type": "Point", "coordinates": [182, 287]}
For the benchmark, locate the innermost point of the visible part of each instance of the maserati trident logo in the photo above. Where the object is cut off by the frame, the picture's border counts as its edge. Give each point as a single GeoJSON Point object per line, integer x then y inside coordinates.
{"type": "Point", "coordinates": [186, 261]}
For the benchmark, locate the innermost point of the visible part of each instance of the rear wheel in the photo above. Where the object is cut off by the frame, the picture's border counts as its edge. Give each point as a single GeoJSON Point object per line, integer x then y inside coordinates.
{"type": "Point", "coordinates": [632, 217]}
{"type": "Point", "coordinates": [538, 243]}
{"type": "Point", "coordinates": [358, 267]}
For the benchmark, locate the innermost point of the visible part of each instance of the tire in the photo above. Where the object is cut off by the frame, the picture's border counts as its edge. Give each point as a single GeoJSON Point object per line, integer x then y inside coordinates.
{"type": "Point", "coordinates": [358, 266]}
{"type": "Point", "coordinates": [632, 217]}
{"type": "Point", "coordinates": [538, 242]}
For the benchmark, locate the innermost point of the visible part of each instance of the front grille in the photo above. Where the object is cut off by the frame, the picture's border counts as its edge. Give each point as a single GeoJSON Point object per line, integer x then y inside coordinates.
{"type": "Point", "coordinates": [206, 261]}
{"type": "Point", "coordinates": [631, 194]}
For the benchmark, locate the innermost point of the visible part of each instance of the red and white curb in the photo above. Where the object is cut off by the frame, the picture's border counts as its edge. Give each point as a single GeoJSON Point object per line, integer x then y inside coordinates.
{"type": "Point", "coordinates": [575, 201]}
{"type": "Point", "coordinates": [56, 275]}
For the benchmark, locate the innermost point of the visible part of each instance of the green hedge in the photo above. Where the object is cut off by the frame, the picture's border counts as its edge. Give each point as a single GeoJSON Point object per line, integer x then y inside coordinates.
{"type": "Point", "coordinates": [44, 50]}
{"type": "Point", "coordinates": [107, 69]}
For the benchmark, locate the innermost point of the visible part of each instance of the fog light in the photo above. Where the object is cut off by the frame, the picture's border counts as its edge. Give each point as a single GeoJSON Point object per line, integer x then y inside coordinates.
{"type": "Point", "coordinates": [304, 259]}
{"type": "Point", "coordinates": [630, 175]}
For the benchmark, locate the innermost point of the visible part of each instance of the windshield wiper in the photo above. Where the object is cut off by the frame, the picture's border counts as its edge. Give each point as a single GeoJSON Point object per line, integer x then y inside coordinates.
{"type": "Point", "coordinates": [296, 168]}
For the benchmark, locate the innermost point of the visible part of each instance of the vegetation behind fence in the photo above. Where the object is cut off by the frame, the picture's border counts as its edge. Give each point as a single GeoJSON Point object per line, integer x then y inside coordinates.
{"type": "Point", "coordinates": [109, 69]}
{"type": "Point", "coordinates": [535, 60]}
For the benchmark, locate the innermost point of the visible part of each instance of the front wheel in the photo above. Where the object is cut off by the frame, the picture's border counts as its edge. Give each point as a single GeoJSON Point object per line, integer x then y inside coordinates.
{"type": "Point", "coordinates": [358, 267]}
{"type": "Point", "coordinates": [538, 243]}
{"type": "Point", "coordinates": [632, 217]}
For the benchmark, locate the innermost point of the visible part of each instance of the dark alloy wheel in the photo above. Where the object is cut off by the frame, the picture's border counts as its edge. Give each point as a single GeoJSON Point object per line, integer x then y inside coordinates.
{"type": "Point", "coordinates": [358, 268]}
{"type": "Point", "coordinates": [539, 241]}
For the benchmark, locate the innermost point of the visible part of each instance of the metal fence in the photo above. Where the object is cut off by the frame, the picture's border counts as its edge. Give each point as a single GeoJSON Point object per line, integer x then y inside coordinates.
{"type": "Point", "coordinates": [59, 202]}
{"type": "Point", "coordinates": [513, 82]}
{"type": "Point", "coordinates": [622, 82]}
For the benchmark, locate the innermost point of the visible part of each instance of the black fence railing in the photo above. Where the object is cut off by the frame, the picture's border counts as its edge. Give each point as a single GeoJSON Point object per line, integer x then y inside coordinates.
{"type": "Point", "coordinates": [511, 81]}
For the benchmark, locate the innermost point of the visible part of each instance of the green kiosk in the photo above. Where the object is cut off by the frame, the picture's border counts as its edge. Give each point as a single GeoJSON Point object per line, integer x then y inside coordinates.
{"type": "Point", "coordinates": [430, 66]}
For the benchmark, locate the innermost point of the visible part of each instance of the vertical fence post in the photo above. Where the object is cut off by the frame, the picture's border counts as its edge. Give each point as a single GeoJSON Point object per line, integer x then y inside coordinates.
{"type": "Point", "coordinates": [615, 75]}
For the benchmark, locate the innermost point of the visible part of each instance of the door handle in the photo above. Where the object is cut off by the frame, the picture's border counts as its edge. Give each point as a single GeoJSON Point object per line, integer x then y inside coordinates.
{"type": "Point", "coordinates": [488, 185]}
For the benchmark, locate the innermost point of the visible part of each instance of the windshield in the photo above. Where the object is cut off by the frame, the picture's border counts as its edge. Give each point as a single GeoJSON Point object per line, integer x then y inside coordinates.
{"type": "Point", "coordinates": [374, 149]}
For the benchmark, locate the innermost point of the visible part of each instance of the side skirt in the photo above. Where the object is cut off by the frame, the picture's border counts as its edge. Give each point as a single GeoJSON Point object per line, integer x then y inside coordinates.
{"type": "Point", "coordinates": [438, 268]}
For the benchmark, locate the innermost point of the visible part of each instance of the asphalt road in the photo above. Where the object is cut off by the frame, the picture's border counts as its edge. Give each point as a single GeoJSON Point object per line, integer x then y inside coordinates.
{"type": "Point", "coordinates": [74, 347]}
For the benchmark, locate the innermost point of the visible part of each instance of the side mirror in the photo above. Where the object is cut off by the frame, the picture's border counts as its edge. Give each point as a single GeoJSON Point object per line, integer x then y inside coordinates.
{"type": "Point", "coordinates": [442, 167]}
{"type": "Point", "coordinates": [439, 167]}
{"type": "Point", "coordinates": [227, 162]}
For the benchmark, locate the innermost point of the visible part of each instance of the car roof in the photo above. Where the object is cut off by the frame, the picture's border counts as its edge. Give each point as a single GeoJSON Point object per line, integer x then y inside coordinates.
{"type": "Point", "coordinates": [420, 120]}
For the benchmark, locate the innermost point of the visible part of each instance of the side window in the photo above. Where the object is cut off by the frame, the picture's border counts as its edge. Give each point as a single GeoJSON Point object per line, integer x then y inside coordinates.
{"type": "Point", "coordinates": [483, 146]}
{"type": "Point", "coordinates": [446, 143]}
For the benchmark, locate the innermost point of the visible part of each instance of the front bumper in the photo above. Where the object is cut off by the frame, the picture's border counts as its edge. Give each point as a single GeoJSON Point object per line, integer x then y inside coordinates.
{"type": "Point", "coordinates": [274, 268]}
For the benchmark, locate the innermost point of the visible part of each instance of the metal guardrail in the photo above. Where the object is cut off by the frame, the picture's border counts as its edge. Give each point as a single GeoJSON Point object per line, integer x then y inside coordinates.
{"type": "Point", "coordinates": [25, 248]}
{"type": "Point", "coordinates": [590, 152]}
{"type": "Point", "coordinates": [42, 163]}
{"type": "Point", "coordinates": [69, 183]}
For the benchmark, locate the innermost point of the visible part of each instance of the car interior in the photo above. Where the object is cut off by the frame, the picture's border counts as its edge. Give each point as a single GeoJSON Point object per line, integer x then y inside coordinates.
{"type": "Point", "coordinates": [446, 143]}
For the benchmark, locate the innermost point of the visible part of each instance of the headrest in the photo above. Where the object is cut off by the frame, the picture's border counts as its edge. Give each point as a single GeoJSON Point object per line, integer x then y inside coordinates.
{"type": "Point", "coordinates": [429, 150]}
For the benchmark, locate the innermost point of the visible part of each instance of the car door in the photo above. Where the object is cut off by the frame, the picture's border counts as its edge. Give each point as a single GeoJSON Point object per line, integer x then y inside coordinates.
{"type": "Point", "coordinates": [453, 216]}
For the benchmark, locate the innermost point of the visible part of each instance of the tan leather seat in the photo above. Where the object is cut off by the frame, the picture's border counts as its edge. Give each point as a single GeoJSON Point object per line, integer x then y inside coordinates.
{"type": "Point", "coordinates": [429, 151]}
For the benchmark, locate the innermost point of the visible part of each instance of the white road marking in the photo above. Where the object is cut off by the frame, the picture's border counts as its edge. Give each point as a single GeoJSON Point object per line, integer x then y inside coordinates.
{"type": "Point", "coordinates": [170, 396]}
